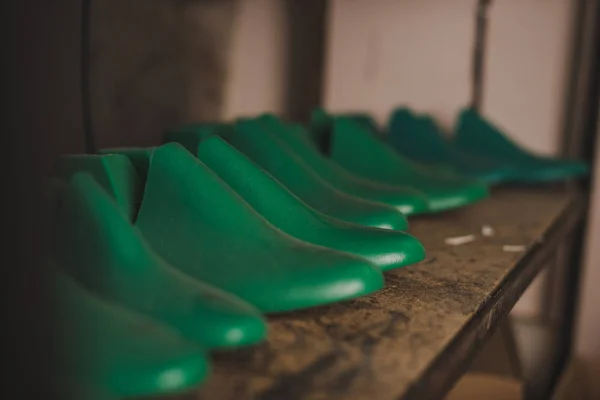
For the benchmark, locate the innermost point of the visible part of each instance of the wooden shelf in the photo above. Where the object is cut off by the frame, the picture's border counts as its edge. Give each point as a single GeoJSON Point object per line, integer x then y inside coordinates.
{"type": "Point", "coordinates": [413, 339]}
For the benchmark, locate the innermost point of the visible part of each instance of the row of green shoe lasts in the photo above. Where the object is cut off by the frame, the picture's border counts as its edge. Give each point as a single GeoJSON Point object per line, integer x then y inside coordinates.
{"type": "Point", "coordinates": [476, 149]}
{"type": "Point", "coordinates": [165, 253]}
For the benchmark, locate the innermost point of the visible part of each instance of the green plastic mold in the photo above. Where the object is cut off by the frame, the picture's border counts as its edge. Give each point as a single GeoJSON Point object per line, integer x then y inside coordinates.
{"type": "Point", "coordinates": [419, 138]}
{"type": "Point", "coordinates": [476, 134]}
{"type": "Point", "coordinates": [116, 174]}
{"type": "Point", "coordinates": [103, 348]}
{"type": "Point", "coordinates": [407, 200]}
{"type": "Point", "coordinates": [358, 149]}
{"type": "Point", "coordinates": [287, 167]}
{"type": "Point", "coordinates": [321, 118]}
{"type": "Point", "coordinates": [385, 248]}
{"type": "Point", "coordinates": [198, 224]}
{"type": "Point", "coordinates": [261, 146]}
{"type": "Point", "coordinates": [104, 251]}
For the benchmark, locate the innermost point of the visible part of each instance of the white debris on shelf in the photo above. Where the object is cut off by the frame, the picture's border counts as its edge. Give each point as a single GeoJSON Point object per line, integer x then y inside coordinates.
{"type": "Point", "coordinates": [458, 240]}
{"type": "Point", "coordinates": [487, 231]}
{"type": "Point", "coordinates": [509, 248]}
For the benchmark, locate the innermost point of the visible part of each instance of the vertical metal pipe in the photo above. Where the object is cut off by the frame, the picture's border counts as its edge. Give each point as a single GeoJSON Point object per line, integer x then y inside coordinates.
{"type": "Point", "coordinates": [479, 53]}
{"type": "Point", "coordinates": [86, 96]}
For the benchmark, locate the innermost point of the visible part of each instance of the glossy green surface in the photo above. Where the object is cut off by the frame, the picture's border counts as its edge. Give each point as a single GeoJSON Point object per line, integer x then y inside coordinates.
{"type": "Point", "coordinates": [112, 351]}
{"type": "Point", "coordinates": [356, 148]}
{"type": "Point", "coordinates": [419, 138]}
{"type": "Point", "coordinates": [263, 147]}
{"type": "Point", "coordinates": [115, 174]}
{"type": "Point", "coordinates": [476, 134]}
{"type": "Point", "coordinates": [322, 119]}
{"type": "Point", "coordinates": [385, 248]}
{"type": "Point", "coordinates": [104, 251]}
{"type": "Point", "coordinates": [408, 201]}
{"type": "Point", "coordinates": [198, 223]}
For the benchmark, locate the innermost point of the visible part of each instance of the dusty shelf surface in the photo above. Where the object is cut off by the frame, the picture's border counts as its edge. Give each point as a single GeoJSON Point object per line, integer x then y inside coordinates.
{"type": "Point", "coordinates": [415, 337]}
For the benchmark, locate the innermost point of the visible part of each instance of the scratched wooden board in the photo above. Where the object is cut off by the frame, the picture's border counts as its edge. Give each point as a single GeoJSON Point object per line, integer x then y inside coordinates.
{"type": "Point", "coordinates": [385, 345]}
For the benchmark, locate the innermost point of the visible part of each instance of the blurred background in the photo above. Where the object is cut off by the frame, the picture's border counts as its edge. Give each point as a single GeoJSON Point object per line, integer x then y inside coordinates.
{"type": "Point", "coordinates": [158, 63]}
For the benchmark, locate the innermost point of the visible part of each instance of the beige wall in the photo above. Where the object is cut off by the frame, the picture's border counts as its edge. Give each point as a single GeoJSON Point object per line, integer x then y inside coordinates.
{"type": "Point", "coordinates": [418, 52]}
{"type": "Point", "coordinates": [258, 80]}
{"type": "Point", "coordinates": [527, 69]}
